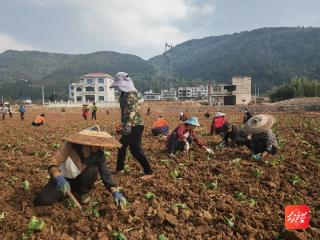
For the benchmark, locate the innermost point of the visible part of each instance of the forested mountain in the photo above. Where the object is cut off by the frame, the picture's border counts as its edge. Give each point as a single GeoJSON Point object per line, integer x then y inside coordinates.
{"type": "Point", "coordinates": [271, 56]}
{"type": "Point", "coordinates": [23, 72]}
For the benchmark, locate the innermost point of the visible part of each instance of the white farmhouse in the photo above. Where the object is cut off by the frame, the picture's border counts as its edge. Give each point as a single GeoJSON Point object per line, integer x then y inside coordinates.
{"type": "Point", "coordinates": [92, 87]}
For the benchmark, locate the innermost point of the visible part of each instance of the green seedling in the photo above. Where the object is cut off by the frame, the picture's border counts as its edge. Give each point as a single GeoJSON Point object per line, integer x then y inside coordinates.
{"type": "Point", "coordinates": [149, 196]}
{"type": "Point", "coordinates": [16, 150]}
{"type": "Point", "coordinates": [230, 220]}
{"type": "Point", "coordinates": [107, 153]}
{"type": "Point", "coordinates": [240, 196]}
{"type": "Point", "coordinates": [162, 237]}
{"type": "Point", "coordinates": [2, 216]}
{"type": "Point", "coordinates": [165, 161]}
{"type": "Point", "coordinates": [69, 203]}
{"type": "Point", "coordinates": [95, 209]}
{"type": "Point", "coordinates": [236, 162]}
{"type": "Point", "coordinates": [257, 173]}
{"type": "Point", "coordinates": [175, 174]}
{"type": "Point", "coordinates": [180, 206]}
{"type": "Point", "coordinates": [12, 180]}
{"type": "Point", "coordinates": [296, 180]}
{"type": "Point", "coordinates": [127, 168]}
{"type": "Point", "coordinates": [252, 202]}
{"type": "Point", "coordinates": [182, 166]}
{"type": "Point", "coordinates": [212, 185]}
{"type": "Point", "coordinates": [26, 185]}
{"type": "Point", "coordinates": [56, 145]}
{"type": "Point", "coordinates": [5, 146]}
{"type": "Point", "coordinates": [119, 236]}
{"type": "Point", "coordinates": [306, 154]}
{"type": "Point", "coordinates": [34, 225]}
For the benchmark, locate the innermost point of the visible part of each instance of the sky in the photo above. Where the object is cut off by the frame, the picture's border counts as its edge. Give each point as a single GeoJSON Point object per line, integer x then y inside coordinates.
{"type": "Point", "coordinates": [139, 27]}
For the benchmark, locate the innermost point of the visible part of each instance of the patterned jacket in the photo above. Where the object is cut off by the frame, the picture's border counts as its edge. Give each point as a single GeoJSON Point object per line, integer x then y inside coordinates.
{"type": "Point", "coordinates": [268, 138]}
{"type": "Point", "coordinates": [130, 109]}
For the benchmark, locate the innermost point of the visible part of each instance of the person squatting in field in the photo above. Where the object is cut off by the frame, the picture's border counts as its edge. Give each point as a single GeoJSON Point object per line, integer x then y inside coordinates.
{"type": "Point", "coordinates": [263, 140]}
{"type": "Point", "coordinates": [218, 124]}
{"type": "Point", "coordinates": [76, 166]}
{"type": "Point", "coordinates": [132, 125]}
{"type": "Point", "coordinates": [160, 127]}
{"type": "Point", "coordinates": [85, 111]}
{"type": "Point", "coordinates": [236, 135]}
{"type": "Point", "coordinates": [39, 120]}
{"type": "Point", "coordinates": [183, 136]}
{"type": "Point", "coordinates": [247, 115]}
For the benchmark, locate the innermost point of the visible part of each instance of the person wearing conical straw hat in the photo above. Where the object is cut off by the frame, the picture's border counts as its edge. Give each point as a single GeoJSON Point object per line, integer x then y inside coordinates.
{"type": "Point", "coordinates": [263, 140]}
{"type": "Point", "coordinates": [76, 166]}
{"type": "Point", "coordinates": [132, 125]}
{"type": "Point", "coordinates": [85, 111]}
{"type": "Point", "coordinates": [183, 136]}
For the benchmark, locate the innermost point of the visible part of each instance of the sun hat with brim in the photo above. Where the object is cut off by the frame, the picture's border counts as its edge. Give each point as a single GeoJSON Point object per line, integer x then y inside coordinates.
{"type": "Point", "coordinates": [259, 124]}
{"type": "Point", "coordinates": [193, 121]}
{"type": "Point", "coordinates": [219, 114]}
{"type": "Point", "coordinates": [93, 137]}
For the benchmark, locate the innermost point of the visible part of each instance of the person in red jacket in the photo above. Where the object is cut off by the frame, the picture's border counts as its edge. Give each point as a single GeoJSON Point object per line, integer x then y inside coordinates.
{"type": "Point", "coordinates": [182, 137]}
{"type": "Point", "coordinates": [218, 124]}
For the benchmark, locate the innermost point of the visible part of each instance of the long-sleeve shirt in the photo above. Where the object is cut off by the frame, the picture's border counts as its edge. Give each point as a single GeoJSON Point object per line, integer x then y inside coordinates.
{"type": "Point", "coordinates": [182, 134]}
{"type": "Point", "coordinates": [71, 163]}
{"type": "Point", "coordinates": [267, 138]}
{"type": "Point", "coordinates": [237, 136]}
{"type": "Point", "coordinates": [130, 109]}
{"type": "Point", "coordinates": [22, 109]}
{"type": "Point", "coordinates": [160, 123]}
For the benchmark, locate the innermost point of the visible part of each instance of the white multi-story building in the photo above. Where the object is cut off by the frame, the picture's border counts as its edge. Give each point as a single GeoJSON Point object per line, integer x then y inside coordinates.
{"type": "Point", "coordinates": [198, 92]}
{"type": "Point", "coordinates": [151, 96]}
{"type": "Point", "coordinates": [170, 94]}
{"type": "Point", "coordinates": [92, 87]}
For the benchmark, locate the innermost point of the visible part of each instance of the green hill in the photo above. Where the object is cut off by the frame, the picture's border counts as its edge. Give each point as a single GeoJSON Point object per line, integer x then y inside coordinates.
{"type": "Point", "coordinates": [270, 55]}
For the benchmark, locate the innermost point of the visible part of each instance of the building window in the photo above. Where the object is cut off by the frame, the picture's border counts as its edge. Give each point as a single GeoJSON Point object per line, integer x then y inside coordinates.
{"type": "Point", "coordinates": [89, 81]}
{"type": "Point", "coordinates": [101, 80]}
{"type": "Point", "coordinates": [79, 89]}
{"type": "Point", "coordinates": [79, 98]}
{"type": "Point", "coordinates": [101, 98]}
{"type": "Point", "coordinates": [89, 89]}
{"type": "Point", "coordinates": [101, 89]}
{"type": "Point", "coordinates": [71, 87]}
{"type": "Point", "coordinates": [243, 100]}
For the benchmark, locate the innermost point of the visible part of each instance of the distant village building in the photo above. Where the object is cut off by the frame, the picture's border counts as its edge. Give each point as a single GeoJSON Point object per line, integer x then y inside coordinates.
{"type": "Point", "coordinates": [199, 92]}
{"type": "Point", "coordinates": [92, 87]}
{"type": "Point", "coordinates": [236, 93]}
{"type": "Point", "coordinates": [169, 95]}
{"type": "Point", "coordinates": [151, 96]}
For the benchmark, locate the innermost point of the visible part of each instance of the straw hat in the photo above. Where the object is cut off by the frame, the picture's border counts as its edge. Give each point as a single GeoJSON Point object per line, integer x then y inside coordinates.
{"type": "Point", "coordinates": [259, 124]}
{"type": "Point", "coordinates": [193, 121]}
{"type": "Point", "coordinates": [219, 114]}
{"type": "Point", "coordinates": [93, 137]}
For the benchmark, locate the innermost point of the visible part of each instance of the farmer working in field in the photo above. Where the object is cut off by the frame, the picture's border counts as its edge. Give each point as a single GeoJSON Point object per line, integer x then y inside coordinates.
{"type": "Point", "coordinates": [132, 124]}
{"type": "Point", "coordinates": [94, 110]}
{"type": "Point", "coordinates": [263, 141]}
{"type": "Point", "coordinates": [237, 136]}
{"type": "Point", "coordinates": [247, 115]}
{"type": "Point", "coordinates": [218, 124]}
{"type": "Point", "coordinates": [160, 127]}
{"type": "Point", "coordinates": [182, 137]}
{"type": "Point", "coordinates": [39, 120]}
{"type": "Point", "coordinates": [85, 111]}
{"type": "Point", "coordinates": [22, 111]}
{"type": "Point", "coordinates": [75, 168]}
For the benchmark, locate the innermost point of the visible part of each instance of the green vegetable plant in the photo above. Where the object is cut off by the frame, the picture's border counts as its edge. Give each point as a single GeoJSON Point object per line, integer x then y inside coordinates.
{"type": "Point", "coordinates": [149, 196]}
{"type": "Point", "coordinates": [175, 174]}
{"type": "Point", "coordinates": [119, 236]}
{"type": "Point", "coordinates": [26, 185]}
{"type": "Point", "coordinates": [229, 220]}
{"type": "Point", "coordinates": [162, 237]}
{"type": "Point", "coordinates": [34, 225]}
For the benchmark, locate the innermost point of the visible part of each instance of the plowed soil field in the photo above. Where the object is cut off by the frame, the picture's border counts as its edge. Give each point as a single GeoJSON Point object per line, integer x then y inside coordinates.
{"type": "Point", "coordinates": [196, 196]}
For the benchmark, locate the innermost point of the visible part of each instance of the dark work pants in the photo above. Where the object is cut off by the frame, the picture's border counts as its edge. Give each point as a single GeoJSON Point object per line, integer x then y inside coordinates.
{"type": "Point", "coordinates": [260, 147]}
{"type": "Point", "coordinates": [160, 130]}
{"type": "Point", "coordinates": [175, 145]}
{"type": "Point", "coordinates": [81, 184]}
{"type": "Point", "coordinates": [94, 115]}
{"type": "Point", "coordinates": [134, 142]}
{"type": "Point", "coordinates": [36, 124]}
{"type": "Point", "coordinates": [22, 115]}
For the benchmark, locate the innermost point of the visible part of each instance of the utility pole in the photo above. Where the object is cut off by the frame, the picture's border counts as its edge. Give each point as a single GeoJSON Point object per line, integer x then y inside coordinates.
{"type": "Point", "coordinates": [258, 92]}
{"type": "Point", "coordinates": [255, 94]}
{"type": "Point", "coordinates": [1, 99]}
{"type": "Point", "coordinates": [42, 90]}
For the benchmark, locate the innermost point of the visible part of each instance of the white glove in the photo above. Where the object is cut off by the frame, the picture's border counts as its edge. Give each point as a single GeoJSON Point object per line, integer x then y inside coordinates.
{"type": "Point", "coordinates": [209, 151]}
{"type": "Point", "coordinates": [186, 146]}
